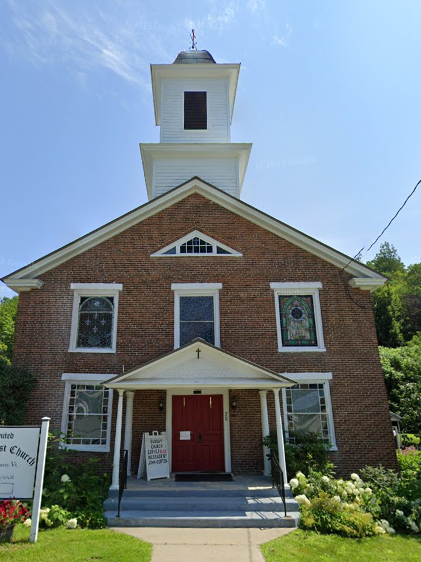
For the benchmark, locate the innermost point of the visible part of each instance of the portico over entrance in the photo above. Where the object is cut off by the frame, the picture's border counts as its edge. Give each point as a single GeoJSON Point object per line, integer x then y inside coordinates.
{"type": "Point", "coordinates": [197, 379]}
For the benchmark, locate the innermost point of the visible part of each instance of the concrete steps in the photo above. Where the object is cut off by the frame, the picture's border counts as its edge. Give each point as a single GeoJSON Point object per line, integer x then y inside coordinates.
{"type": "Point", "coordinates": [246, 502]}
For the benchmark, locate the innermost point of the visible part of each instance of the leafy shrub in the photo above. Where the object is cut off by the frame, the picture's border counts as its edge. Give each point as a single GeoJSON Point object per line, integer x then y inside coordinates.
{"type": "Point", "coordinates": [78, 492]}
{"type": "Point", "coordinates": [352, 508]}
{"type": "Point", "coordinates": [399, 495]}
{"type": "Point", "coordinates": [410, 440]}
{"type": "Point", "coordinates": [302, 451]}
{"type": "Point", "coordinates": [327, 514]}
{"type": "Point", "coordinates": [16, 386]}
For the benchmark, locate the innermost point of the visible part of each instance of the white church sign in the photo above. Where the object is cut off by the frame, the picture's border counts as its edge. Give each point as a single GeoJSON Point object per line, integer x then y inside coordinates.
{"type": "Point", "coordinates": [18, 461]}
{"type": "Point", "coordinates": [154, 455]}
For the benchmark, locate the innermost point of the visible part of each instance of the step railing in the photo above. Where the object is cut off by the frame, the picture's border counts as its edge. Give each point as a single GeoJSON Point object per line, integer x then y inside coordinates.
{"type": "Point", "coordinates": [122, 479]}
{"type": "Point", "coordinates": [278, 479]}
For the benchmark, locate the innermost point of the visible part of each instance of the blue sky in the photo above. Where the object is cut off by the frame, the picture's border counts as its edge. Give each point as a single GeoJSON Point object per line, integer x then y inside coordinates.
{"type": "Point", "coordinates": [329, 94]}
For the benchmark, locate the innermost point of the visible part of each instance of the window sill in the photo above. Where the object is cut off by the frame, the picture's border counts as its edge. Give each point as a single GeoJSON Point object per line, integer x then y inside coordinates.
{"type": "Point", "coordinates": [302, 350]}
{"type": "Point", "coordinates": [91, 350]}
{"type": "Point", "coordinates": [87, 448]}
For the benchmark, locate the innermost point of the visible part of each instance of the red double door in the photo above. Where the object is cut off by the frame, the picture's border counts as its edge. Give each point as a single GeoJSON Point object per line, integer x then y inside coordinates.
{"type": "Point", "coordinates": [197, 433]}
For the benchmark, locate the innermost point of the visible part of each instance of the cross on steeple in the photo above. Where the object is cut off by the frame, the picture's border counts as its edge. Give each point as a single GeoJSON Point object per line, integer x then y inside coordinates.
{"type": "Point", "coordinates": [193, 40]}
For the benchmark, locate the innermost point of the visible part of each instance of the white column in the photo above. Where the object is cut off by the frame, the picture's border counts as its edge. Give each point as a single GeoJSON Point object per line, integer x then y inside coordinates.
{"type": "Point", "coordinates": [280, 435]}
{"type": "Point", "coordinates": [265, 430]}
{"type": "Point", "coordinates": [117, 443]}
{"type": "Point", "coordinates": [128, 430]}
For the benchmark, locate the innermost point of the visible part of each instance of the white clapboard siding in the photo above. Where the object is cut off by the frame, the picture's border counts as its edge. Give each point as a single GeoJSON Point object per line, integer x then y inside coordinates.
{"type": "Point", "coordinates": [172, 116]}
{"type": "Point", "coordinates": [171, 172]}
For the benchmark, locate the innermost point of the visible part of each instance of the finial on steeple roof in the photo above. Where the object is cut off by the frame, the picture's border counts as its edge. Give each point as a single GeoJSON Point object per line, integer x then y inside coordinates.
{"type": "Point", "coordinates": [193, 40]}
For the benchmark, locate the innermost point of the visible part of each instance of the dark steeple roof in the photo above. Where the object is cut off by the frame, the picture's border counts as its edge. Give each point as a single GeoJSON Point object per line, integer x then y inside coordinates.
{"type": "Point", "coordinates": [194, 57]}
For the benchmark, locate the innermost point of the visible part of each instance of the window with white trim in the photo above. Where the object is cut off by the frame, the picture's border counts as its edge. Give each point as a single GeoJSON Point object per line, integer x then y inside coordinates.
{"type": "Point", "coordinates": [86, 421]}
{"type": "Point", "coordinates": [196, 312]}
{"type": "Point", "coordinates": [94, 318]}
{"type": "Point", "coordinates": [298, 316]}
{"type": "Point", "coordinates": [307, 409]}
{"type": "Point", "coordinates": [196, 244]}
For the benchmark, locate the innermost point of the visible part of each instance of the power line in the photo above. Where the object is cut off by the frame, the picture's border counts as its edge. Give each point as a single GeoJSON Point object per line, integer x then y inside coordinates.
{"type": "Point", "coordinates": [385, 228]}
{"type": "Point", "coordinates": [396, 214]}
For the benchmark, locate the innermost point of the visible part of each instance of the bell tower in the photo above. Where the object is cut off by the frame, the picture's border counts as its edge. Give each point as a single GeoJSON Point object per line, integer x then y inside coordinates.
{"type": "Point", "coordinates": [194, 101]}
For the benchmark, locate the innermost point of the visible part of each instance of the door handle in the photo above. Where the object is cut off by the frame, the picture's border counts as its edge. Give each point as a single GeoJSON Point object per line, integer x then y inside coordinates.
{"type": "Point", "coordinates": [200, 437]}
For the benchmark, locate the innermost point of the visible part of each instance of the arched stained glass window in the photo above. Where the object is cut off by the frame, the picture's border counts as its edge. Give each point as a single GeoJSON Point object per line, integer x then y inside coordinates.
{"type": "Point", "coordinates": [297, 321]}
{"type": "Point", "coordinates": [95, 325]}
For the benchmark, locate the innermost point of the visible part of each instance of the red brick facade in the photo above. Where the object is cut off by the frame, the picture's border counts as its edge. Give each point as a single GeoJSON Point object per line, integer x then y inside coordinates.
{"type": "Point", "coordinates": [247, 327]}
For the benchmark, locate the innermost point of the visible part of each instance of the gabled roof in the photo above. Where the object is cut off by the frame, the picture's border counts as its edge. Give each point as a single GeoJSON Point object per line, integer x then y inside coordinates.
{"type": "Point", "coordinates": [199, 364]}
{"type": "Point", "coordinates": [25, 278]}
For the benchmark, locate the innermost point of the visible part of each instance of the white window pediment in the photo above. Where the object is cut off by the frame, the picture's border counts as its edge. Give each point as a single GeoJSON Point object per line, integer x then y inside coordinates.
{"type": "Point", "coordinates": [196, 244]}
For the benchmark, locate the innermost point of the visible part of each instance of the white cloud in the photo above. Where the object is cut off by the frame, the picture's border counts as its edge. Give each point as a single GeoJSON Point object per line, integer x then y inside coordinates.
{"type": "Point", "coordinates": [84, 37]}
{"type": "Point", "coordinates": [283, 40]}
{"type": "Point", "coordinates": [256, 6]}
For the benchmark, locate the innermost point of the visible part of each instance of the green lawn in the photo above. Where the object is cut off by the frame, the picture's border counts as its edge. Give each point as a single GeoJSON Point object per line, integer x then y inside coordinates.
{"type": "Point", "coordinates": [77, 545]}
{"type": "Point", "coordinates": [301, 546]}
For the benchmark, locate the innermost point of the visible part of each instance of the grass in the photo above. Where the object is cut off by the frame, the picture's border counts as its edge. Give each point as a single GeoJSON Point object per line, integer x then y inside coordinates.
{"type": "Point", "coordinates": [77, 545]}
{"type": "Point", "coordinates": [301, 546]}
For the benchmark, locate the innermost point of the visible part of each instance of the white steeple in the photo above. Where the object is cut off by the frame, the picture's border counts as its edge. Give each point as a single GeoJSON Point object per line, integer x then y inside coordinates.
{"type": "Point", "coordinates": [194, 102]}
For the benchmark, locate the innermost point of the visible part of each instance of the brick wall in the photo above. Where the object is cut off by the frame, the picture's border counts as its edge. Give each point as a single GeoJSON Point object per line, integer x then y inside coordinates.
{"type": "Point", "coordinates": [248, 326]}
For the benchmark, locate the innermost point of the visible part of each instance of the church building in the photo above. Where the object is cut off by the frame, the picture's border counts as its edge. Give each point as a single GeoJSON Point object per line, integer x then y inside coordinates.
{"type": "Point", "coordinates": [201, 316]}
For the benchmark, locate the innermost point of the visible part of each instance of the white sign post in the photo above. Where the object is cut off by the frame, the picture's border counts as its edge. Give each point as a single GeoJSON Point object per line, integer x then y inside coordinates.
{"type": "Point", "coordinates": [20, 449]}
{"type": "Point", "coordinates": [42, 453]}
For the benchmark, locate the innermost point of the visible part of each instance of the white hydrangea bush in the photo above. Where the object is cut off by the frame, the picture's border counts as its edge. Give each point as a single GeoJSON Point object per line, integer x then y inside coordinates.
{"type": "Point", "coordinates": [351, 502]}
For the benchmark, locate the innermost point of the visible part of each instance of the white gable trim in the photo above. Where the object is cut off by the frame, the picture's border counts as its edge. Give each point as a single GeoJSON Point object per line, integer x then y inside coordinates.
{"type": "Point", "coordinates": [196, 234]}
{"type": "Point", "coordinates": [236, 372]}
{"type": "Point", "coordinates": [195, 185]}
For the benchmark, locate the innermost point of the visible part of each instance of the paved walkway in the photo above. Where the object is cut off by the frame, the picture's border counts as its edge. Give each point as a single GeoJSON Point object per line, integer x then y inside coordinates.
{"type": "Point", "coordinates": [204, 545]}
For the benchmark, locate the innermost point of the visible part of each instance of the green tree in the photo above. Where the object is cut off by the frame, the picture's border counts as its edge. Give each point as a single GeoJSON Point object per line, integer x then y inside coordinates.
{"type": "Point", "coordinates": [387, 260]}
{"type": "Point", "coordinates": [402, 372]}
{"type": "Point", "coordinates": [8, 309]}
{"type": "Point", "coordinates": [397, 305]}
{"type": "Point", "coordinates": [15, 389]}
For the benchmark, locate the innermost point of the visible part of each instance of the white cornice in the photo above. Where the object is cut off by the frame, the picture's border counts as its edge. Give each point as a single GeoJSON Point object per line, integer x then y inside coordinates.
{"type": "Point", "coordinates": [24, 285]}
{"type": "Point", "coordinates": [366, 284]}
{"type": "Point", "coordinates": [195, 185]}
{"type": "Point", "coordinates": [203, 70]}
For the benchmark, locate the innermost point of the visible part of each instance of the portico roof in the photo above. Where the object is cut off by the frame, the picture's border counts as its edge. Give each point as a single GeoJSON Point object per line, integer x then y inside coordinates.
{"type": "Point", "coordinates": [199, 365]}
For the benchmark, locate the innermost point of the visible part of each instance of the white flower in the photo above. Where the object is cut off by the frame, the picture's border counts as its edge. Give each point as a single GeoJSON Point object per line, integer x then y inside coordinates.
{"type": "Point", "coordinates": [350, 488]}
{"type": "Point", "coordinates": [71, 524]}
{"type": "Point", "coordinates": [65, 478]}
{"type": "Point", "coordinates": [27, 523]}
{"type": "Point", "coordinates": [303, 500]}
{"type": "Point", "coordinates": [325, 479]}
{"type": "Point", "coordinates": [378, 529]}
{"type": "Point", "coordinates": [368, 491]}
{"type": "Point", "coordinates": [43, 514]}
{"type": "Point", "coordinates": [386, 526]}
{"type": "Point", "coordinates": [300, 474]}
{"type": "Point", "coordinates": [336, 499]}
{"type": "Point", "coordinates": [354, 476]}
{"type": "Point", "coordinates": [399, 512]}
{"type": "Point", "coordinates": [373, 501]}
{"type": "Point", "coordinates": [355, 491]}
{"type": "Point", "coordinates": [294, 483]}
{"type": "Point", "coordinates": [414, 527]}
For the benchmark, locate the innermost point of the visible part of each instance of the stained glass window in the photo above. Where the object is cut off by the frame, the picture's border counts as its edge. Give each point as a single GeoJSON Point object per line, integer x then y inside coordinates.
{"type": "Point", "coordinates": [298, 327]}
{"type": "Point", "coordinates": [197, 319]}
{"type": "Point", "coordinates": [87, 415]}
{"type": "Point", "coordinates": [95, 325]}
{"type": "Point", "coordinates": [306, 410]}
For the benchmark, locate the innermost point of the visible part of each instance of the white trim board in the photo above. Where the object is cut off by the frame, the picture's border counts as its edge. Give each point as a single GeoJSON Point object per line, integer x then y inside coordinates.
{"type": "Point", "coordinates": [195, 185]}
